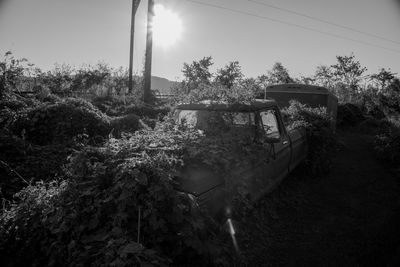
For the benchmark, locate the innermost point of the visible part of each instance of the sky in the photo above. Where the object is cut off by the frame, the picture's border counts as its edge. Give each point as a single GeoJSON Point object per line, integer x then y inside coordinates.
{"type": "Point", "coordinates": [78, 32]}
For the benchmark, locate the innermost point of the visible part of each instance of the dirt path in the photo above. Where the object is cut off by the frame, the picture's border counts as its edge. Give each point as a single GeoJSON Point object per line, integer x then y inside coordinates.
{"type": "Point", "coordinates": [350, 218]}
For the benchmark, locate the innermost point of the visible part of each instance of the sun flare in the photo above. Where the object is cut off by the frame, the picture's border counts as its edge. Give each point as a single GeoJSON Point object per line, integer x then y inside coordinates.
{"type": "Point", "coordinates": [167, 26]}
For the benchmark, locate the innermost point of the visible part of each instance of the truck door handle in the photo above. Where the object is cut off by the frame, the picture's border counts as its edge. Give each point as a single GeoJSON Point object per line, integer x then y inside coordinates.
{"type": "Point", "coordinates": [285, 142]}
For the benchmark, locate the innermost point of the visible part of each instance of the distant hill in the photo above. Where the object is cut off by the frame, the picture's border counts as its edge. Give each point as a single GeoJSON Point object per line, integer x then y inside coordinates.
{"type": "Point", "coordinates": [163, 85]}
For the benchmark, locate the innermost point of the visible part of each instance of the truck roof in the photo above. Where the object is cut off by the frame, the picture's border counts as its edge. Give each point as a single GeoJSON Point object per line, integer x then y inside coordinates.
{"type": "Point", "coordinates": [223, 106]}
{"type": "Point", "coordinates": [298, 88]}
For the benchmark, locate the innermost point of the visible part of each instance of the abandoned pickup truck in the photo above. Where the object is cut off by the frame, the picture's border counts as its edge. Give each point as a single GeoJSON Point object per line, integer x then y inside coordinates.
{"type": "Point", "coordinates": [255, 152]}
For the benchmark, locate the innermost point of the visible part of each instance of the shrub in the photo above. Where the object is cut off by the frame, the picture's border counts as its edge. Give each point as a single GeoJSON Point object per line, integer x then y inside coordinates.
{"type": "Point", "coordinates": [375, 110]}
{"type": "Point", "coordinates": [127, 123]}
{"type": "Point", "coordinates": [13, 104]}
{"type": "Point", "coordinates": [150, 122]}
{"type": "Point", "coordinates": [31, 162]}
{"type": "Point", "coordinates": [203, 91]}
{"type": "Point", "coordinates": [12, 71]}
{"type": "Point", "coordinates": [51, 98]}
{"type": "Point", "coordinates": [108, 104]}
{"type": "Point", "coordinates": [43, 94]}
{"type": "Point", "coordinates": [60, 122]}
{"type": "Point", "coordinates": [92, 220]}
{"type": "Point", "coordinates": [16, 247]}
{"type": "Point", "coordinates": [146, 111]}
{"type": "Point", "coordinates": [387, 146]}
{"type": "Point", "coordinates": [7, 117]}
{"type": "Point", "coordinates": [320, 138]}
{"type": "Point", "coordinates": [371, 104]}
{"type": "Point", "coordinates": [349, 115]}
{"type": "Point", "coordinates": [9, 109]}
{"type": "Point", "coordinates": [117, 106]}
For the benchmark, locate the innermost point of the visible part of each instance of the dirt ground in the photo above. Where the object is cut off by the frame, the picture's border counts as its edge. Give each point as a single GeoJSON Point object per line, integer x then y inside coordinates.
{"type": "Point", "coordinates": [349, 218]}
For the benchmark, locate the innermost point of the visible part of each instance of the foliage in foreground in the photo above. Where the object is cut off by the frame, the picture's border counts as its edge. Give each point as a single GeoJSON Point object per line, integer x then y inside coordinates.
{"type": "Point", "coordinates": [36, 136]}
{"type": "Point", "coordinates": [22, 163]}
{"type": "Point", "coordinates": [61, 121]}
{"type": "Point", "coordinates": [320, 138]}
{"type": "Point", "coordinates": [387, 146]}
{"type": "Point", "coordinates": [92, 217]}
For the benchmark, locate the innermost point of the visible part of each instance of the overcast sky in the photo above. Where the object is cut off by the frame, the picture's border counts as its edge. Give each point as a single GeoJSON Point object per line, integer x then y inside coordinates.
{"type": "Point", "coordinates": [80, 32]}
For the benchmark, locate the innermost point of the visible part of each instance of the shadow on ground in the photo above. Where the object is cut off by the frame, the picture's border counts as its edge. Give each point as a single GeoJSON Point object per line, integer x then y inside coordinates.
{"type": "Point", "coordinates": [349, 218]}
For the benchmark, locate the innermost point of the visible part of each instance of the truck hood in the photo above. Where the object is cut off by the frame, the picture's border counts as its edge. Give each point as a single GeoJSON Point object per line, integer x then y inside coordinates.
{"type": "Point", "coordinates": [198, 179]}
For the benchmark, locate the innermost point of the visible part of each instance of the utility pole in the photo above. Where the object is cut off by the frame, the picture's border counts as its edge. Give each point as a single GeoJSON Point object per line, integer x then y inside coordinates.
{"type": "Point", "coordinates": [148, 56]}
{"type": "Point", "coordinates": [135, 4]}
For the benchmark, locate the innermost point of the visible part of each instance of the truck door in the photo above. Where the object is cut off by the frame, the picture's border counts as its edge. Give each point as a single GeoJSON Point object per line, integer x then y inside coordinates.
{"type": "Point", "coordinates": [280, 141]}
{"type": "Point", "coordinates": [299, 146]}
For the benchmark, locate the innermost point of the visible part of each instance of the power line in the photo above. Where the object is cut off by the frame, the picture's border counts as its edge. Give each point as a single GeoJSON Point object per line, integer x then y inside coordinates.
{"type": "Point", "coordinates": [323, 21]}
{"type": "Point", "coordinates": [292, 24]}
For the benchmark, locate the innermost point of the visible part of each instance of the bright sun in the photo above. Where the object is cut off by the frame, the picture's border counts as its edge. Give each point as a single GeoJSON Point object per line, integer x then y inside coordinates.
{"type": "Point", "coordinates": [167, 26]}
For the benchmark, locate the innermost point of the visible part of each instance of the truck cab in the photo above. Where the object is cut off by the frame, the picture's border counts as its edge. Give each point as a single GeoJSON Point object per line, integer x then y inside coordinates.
{"type": "Point", "coordinates": [256, 127]}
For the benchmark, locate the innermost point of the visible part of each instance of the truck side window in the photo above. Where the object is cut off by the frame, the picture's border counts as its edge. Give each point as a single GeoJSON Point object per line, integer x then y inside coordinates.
{"type": "Point", "coordinates": [270, 123]}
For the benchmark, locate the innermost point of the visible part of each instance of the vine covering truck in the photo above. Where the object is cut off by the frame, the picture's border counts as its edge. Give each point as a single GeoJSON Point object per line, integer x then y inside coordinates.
{"type": "Point", "coordinates": [312, 95]}
{"type": "Point", "coordinates": [250, 152]}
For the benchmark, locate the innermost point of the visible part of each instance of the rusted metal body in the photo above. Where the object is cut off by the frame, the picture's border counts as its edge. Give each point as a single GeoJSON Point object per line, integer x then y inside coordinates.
{"type": "Point", "coordinates": [314, 96]}
{"type": "Point", "coordinates": [274, 153]}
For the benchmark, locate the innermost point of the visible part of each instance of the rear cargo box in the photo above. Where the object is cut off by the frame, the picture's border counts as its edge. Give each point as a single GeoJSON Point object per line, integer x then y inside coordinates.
{"type": "Point", "coordinates": [314, 96]}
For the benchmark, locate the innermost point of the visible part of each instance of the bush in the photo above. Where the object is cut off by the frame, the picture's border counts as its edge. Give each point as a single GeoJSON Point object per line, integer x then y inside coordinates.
{"type": "Point", "coordinates": [92, 220]}
{"type": "Point", "coordinates": [13, 104]}
{"type": "Point", "coordinates": [374, 110]}
{"type": "Point", "coordinates": [127, 123]}
{"type": "Point", "coordinates": [16, 246]}
{"type": "Point", "coordinates": [43, 94]}
{"type": "Point", "coordinates": [12, 72]}
{"type": "Point", "coordinates": [148, 112]}
{"type": "Point", "coordinates": [349, 115]}
{"type": "Point", "coordinates": [320, 138]}
{"type": "Point", "coordinates": [51, 98]}
{"type": "Point", "coordinates": [31, 162]}
{"type": "Point", "coordinates": [216, 92]}
{"type": "Point", "coordinates": [7, 118]}
{"type": "Point", "coordinates": [60, 122]}
{"type": "Point", "coordinates": [109, 105]}
{"type": "Point", "coordinates": [117, 106]}
{"type": "Point", "coordinates": [387, 146]}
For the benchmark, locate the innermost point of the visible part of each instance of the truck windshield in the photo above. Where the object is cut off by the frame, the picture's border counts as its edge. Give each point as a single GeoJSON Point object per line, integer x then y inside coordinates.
{"type": "Point", "coordinates": [205, 119]}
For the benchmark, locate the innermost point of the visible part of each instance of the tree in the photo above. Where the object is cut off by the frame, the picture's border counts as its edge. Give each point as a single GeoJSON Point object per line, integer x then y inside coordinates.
{"type": "Point", "coordinates": [395, 85]}
{"type": "Point", "coordinates": [323, 76]}
{"type": "Point", "coordinates": [383, 78]}
{"type": "Point", "coordinates": [279, 74]}
{"type": "Point", "coordinates": [348, 71]}
{"type": "Point", "coordinates": [59, 79]}
{"type": "Point", "coordinates": [305, 80]}
{"type": "Point", "coordinates": [198, 72]}
{"type": "Point", "coordinates": [230, 75]}
{"type": "Point", "coordinates": [11, 72]}
{"type": "Point", "coordinates": [89, 76]}
{"type": "Point", "coordinates": [251, 86]}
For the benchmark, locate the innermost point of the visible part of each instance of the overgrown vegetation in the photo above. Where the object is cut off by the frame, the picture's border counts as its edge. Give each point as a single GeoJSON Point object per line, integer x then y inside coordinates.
{"type": "Point", "coordinates": [387, 145]}
{"type": "Point", "coordinates": [92, 217]}
{"type": "Point", "coordinates": [320, 138]}
{"type": "Point", "coordinates": [61, 122]}
{"type": "Point", "coordinates": [91, 182]}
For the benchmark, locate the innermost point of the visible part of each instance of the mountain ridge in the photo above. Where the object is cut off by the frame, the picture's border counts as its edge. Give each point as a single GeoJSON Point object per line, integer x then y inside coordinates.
{"type": "Point", "coordinates": [162, 85]}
